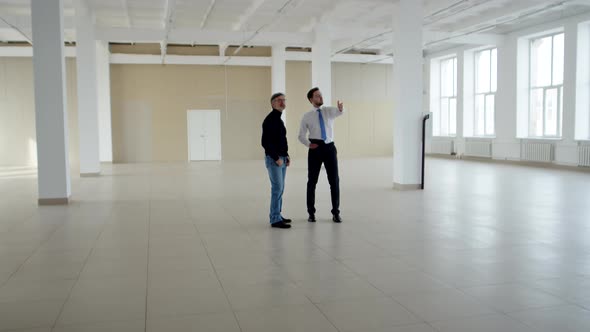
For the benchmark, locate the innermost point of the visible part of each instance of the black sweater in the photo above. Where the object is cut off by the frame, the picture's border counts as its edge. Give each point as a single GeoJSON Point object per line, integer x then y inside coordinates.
{"type": "Point", "coordinates": [274, 136]}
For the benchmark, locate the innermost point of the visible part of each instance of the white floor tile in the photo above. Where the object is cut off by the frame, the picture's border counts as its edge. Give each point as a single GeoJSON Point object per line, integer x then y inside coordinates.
{"type": "Point", "coordinates": [298, 318]}
{"type": "Point", "coordinates": [224, 322]}
{"type": "Point", "coordinates": [367, 314]}
{"type": "Point", "coordinates": [485, 247]}
{"type": "Point", "coordinates": [486, 323]}
{"type": "Point", "coordinates": [443, 305]}
{"type": "Point", "coordinates": [26, 315]}
{"type": "Point", "coordinates": [562, 318]}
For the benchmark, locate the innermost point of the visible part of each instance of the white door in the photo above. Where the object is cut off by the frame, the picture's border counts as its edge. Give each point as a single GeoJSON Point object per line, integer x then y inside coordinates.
{"type": "Point", "coordinates": [204, 135]}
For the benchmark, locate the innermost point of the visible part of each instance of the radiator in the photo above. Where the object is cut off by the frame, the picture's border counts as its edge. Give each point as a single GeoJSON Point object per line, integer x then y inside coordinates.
{"type": "Point", "coordinates": [442, 147]}
{"type": "Point", "coordinates": [478, 149]}
{"type": "Point", "coordinates": [541, 152]}
{"type": "Point", "coordinates": [584, 155]}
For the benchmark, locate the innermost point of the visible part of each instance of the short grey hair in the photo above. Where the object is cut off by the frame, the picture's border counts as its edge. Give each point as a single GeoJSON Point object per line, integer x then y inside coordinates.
{"type": "Point", "coordinates": [276, 95]}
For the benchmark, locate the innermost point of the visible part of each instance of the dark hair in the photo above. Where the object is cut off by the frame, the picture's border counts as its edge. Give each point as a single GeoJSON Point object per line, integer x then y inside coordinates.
{"type": "Point", "coordinates": [311, 92]}
{"type": "Point", "coordinates": [276, 95]}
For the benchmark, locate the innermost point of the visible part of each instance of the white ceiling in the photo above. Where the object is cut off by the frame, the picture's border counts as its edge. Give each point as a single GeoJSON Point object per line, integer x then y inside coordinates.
{"type": "Point", "coordinates": [355, 25]}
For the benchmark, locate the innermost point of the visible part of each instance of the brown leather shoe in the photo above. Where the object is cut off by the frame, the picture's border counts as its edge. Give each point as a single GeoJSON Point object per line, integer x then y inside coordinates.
{"type": "Point", "coordinates": [280, 224]}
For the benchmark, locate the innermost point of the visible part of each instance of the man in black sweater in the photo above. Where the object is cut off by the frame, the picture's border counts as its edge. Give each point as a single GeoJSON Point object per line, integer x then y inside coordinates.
{"type": "Point", "coordinates": [274, 141]}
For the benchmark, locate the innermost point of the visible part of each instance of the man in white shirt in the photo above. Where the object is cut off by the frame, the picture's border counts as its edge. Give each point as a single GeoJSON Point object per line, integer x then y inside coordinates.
{"type": "Point", "coordinates": [319, 123]}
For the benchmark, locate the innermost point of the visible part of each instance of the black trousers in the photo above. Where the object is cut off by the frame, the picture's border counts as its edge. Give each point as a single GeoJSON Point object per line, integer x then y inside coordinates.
{"type": "Point", "coordinates": [324, 154]}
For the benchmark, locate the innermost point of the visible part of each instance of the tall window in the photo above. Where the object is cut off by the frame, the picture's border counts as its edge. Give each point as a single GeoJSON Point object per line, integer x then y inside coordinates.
{"type": "Point", "coordinates": [546, 94]}
{"type": "Point", "coordinates": [445, 122]}
{"type": "Point", "coordinates": [486, 84]}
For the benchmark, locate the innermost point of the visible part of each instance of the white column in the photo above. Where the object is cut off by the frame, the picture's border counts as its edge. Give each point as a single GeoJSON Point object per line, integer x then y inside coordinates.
{"type": "Point", "coordinates": [582, 120]}
{"type": "Point", "coordinates": [408, 85]}
{"type": "Point", "coordinates": [566, 151]}
{"type": "Point", "coordinates": [104, 101]}
{"type": "Point", "coordinates": [460, 138]}
{"type": "Point", "coordinates": [467, 80]}
{"type": "Point", "coordinates": [87, 91]}
{"type": "Point", "coordinates": [50, 102]}
{"type": "Point", "coordinates": [279, 72]}
{"type": "Point", "coordinates": [569, 83]}
{"type": "Point", "coordinates": [321, 62]}
{"type": "Point", "coordinates": [510, 123]}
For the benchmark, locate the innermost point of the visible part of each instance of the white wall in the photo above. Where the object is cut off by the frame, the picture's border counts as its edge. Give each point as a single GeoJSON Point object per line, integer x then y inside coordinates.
{"type": "Point", "coordinates": [583, 82]}
{"type": "Point", "coordinates": [103, 76]}
{"type": "Point", "coordinates": [18, 140]}
{"type": "Point", "coordinates": [512, 94]}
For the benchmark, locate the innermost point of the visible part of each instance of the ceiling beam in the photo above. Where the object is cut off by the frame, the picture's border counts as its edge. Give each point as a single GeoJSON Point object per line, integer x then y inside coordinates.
{"type": "Point", "coordinates": [125, 6]}
{"type": "Point", "coordinates": [211, 37]}
{"type": "Point", "coordinates": [353, 58]}
{"type": "Point", "coordinates": [19, 30]}
{"type": "Point", "coordinates": [374, 37]}
{"type": "Point", "coordinates": [506, 14]}
{"type": "Point", "coordinates": [432, 38]}
{"type": "Point", "coordinates": [289, 5]}
{"type": "Point", "coordinates": [338, 49]}
{"type": "Point", "coordinates": [9, 34]}
{"type": "Point", "coordinates": [24, 9]}
{"type": "Point", "coordinates": [121, 58]}
{"type": "Point", "coordinates": [243, 19]}
{"type": "Point", "coordinates": [222, 48]}
{"type": "Point", "coordinates": [311, 24]}
{"type": "Point", "coordinates": [168, 23]}
{"type": "Point", "coordinates": [473, 30]}
{"type": "Point", "coordinates": [354, 32]}
{"type": "Point", "coordinates": [207, 13]}
{"type": "Point", "coordinates": [240, 60]}
{"type": "Point", "coordinates": [455, 8]}
{"type": "Point", "coordinates": [278, 14]}
{"type": "Point", "coordinates": [27, 51]}
{"type": "Point", "coordinates": [468, 38]}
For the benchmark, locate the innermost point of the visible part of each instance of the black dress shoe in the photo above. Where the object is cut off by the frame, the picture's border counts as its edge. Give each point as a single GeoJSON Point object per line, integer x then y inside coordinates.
{"type": "Point", "coordinates": [285, 220]}
{"type": "Point", "coordinates": [311, 218]}
{"type": "Point", "coordinates": [336, 218]}
{"type": "Point", "coordinates": [280, 224]}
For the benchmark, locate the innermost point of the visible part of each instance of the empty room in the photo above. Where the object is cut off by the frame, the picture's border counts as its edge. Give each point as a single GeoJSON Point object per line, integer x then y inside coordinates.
{"type": "Point", "coordinates": [295, 165]}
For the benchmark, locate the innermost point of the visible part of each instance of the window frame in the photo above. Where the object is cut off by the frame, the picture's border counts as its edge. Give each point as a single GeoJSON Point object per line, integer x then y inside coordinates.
{"type": "Point", "coordinates": [490, 92]}
{"type": "Point", "coordinates": [448, 98]}
{"type": "Point", "coordinates": [552, 86]}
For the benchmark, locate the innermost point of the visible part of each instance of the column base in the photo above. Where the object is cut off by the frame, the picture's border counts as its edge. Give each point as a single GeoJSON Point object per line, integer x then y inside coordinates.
{"type": "Point", "coordinates": [54, 201]}
{"type": "Point", "coordinates": [406, 187]}
{"type": "Point", "coordinates": [89, 175]}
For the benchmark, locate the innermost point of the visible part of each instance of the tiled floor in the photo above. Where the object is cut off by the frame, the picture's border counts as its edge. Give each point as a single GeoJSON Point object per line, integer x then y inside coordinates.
{"type": "Point", "coordinates": [187, 247]}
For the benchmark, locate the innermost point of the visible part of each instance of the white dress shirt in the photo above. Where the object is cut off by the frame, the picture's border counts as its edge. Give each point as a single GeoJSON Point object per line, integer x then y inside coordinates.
{"type": "Point", "coordinates": [311, 123]}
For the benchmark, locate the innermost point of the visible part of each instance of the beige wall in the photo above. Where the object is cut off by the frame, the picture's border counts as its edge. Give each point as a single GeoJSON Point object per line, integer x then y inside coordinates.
{"type": "Point", "coordinates": [367, 127]}
{"type": "Point", "coordinates": [298, 83]}
{"type": "Point", "coordinates": [17, 113]}
{"type": "Point", "coordinates": [150, 103]}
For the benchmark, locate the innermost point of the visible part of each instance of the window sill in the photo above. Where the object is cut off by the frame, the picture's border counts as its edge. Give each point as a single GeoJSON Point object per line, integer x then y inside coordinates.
{"type": "Point", "coordinates": [445, 137]}
{"type": "Point", "coordinates": [556, 139]}
{"type": "Point", "coordinates": [480, 137]}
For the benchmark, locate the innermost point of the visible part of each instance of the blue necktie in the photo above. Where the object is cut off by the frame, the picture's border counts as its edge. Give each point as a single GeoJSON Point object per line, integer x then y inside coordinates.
{"type": "Point", "coordinates": [322, 125]}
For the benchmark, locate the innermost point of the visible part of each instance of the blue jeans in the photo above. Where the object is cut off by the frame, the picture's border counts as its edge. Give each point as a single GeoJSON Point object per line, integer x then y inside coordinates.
{"type": "Point", "coordinates": [276, 174]}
